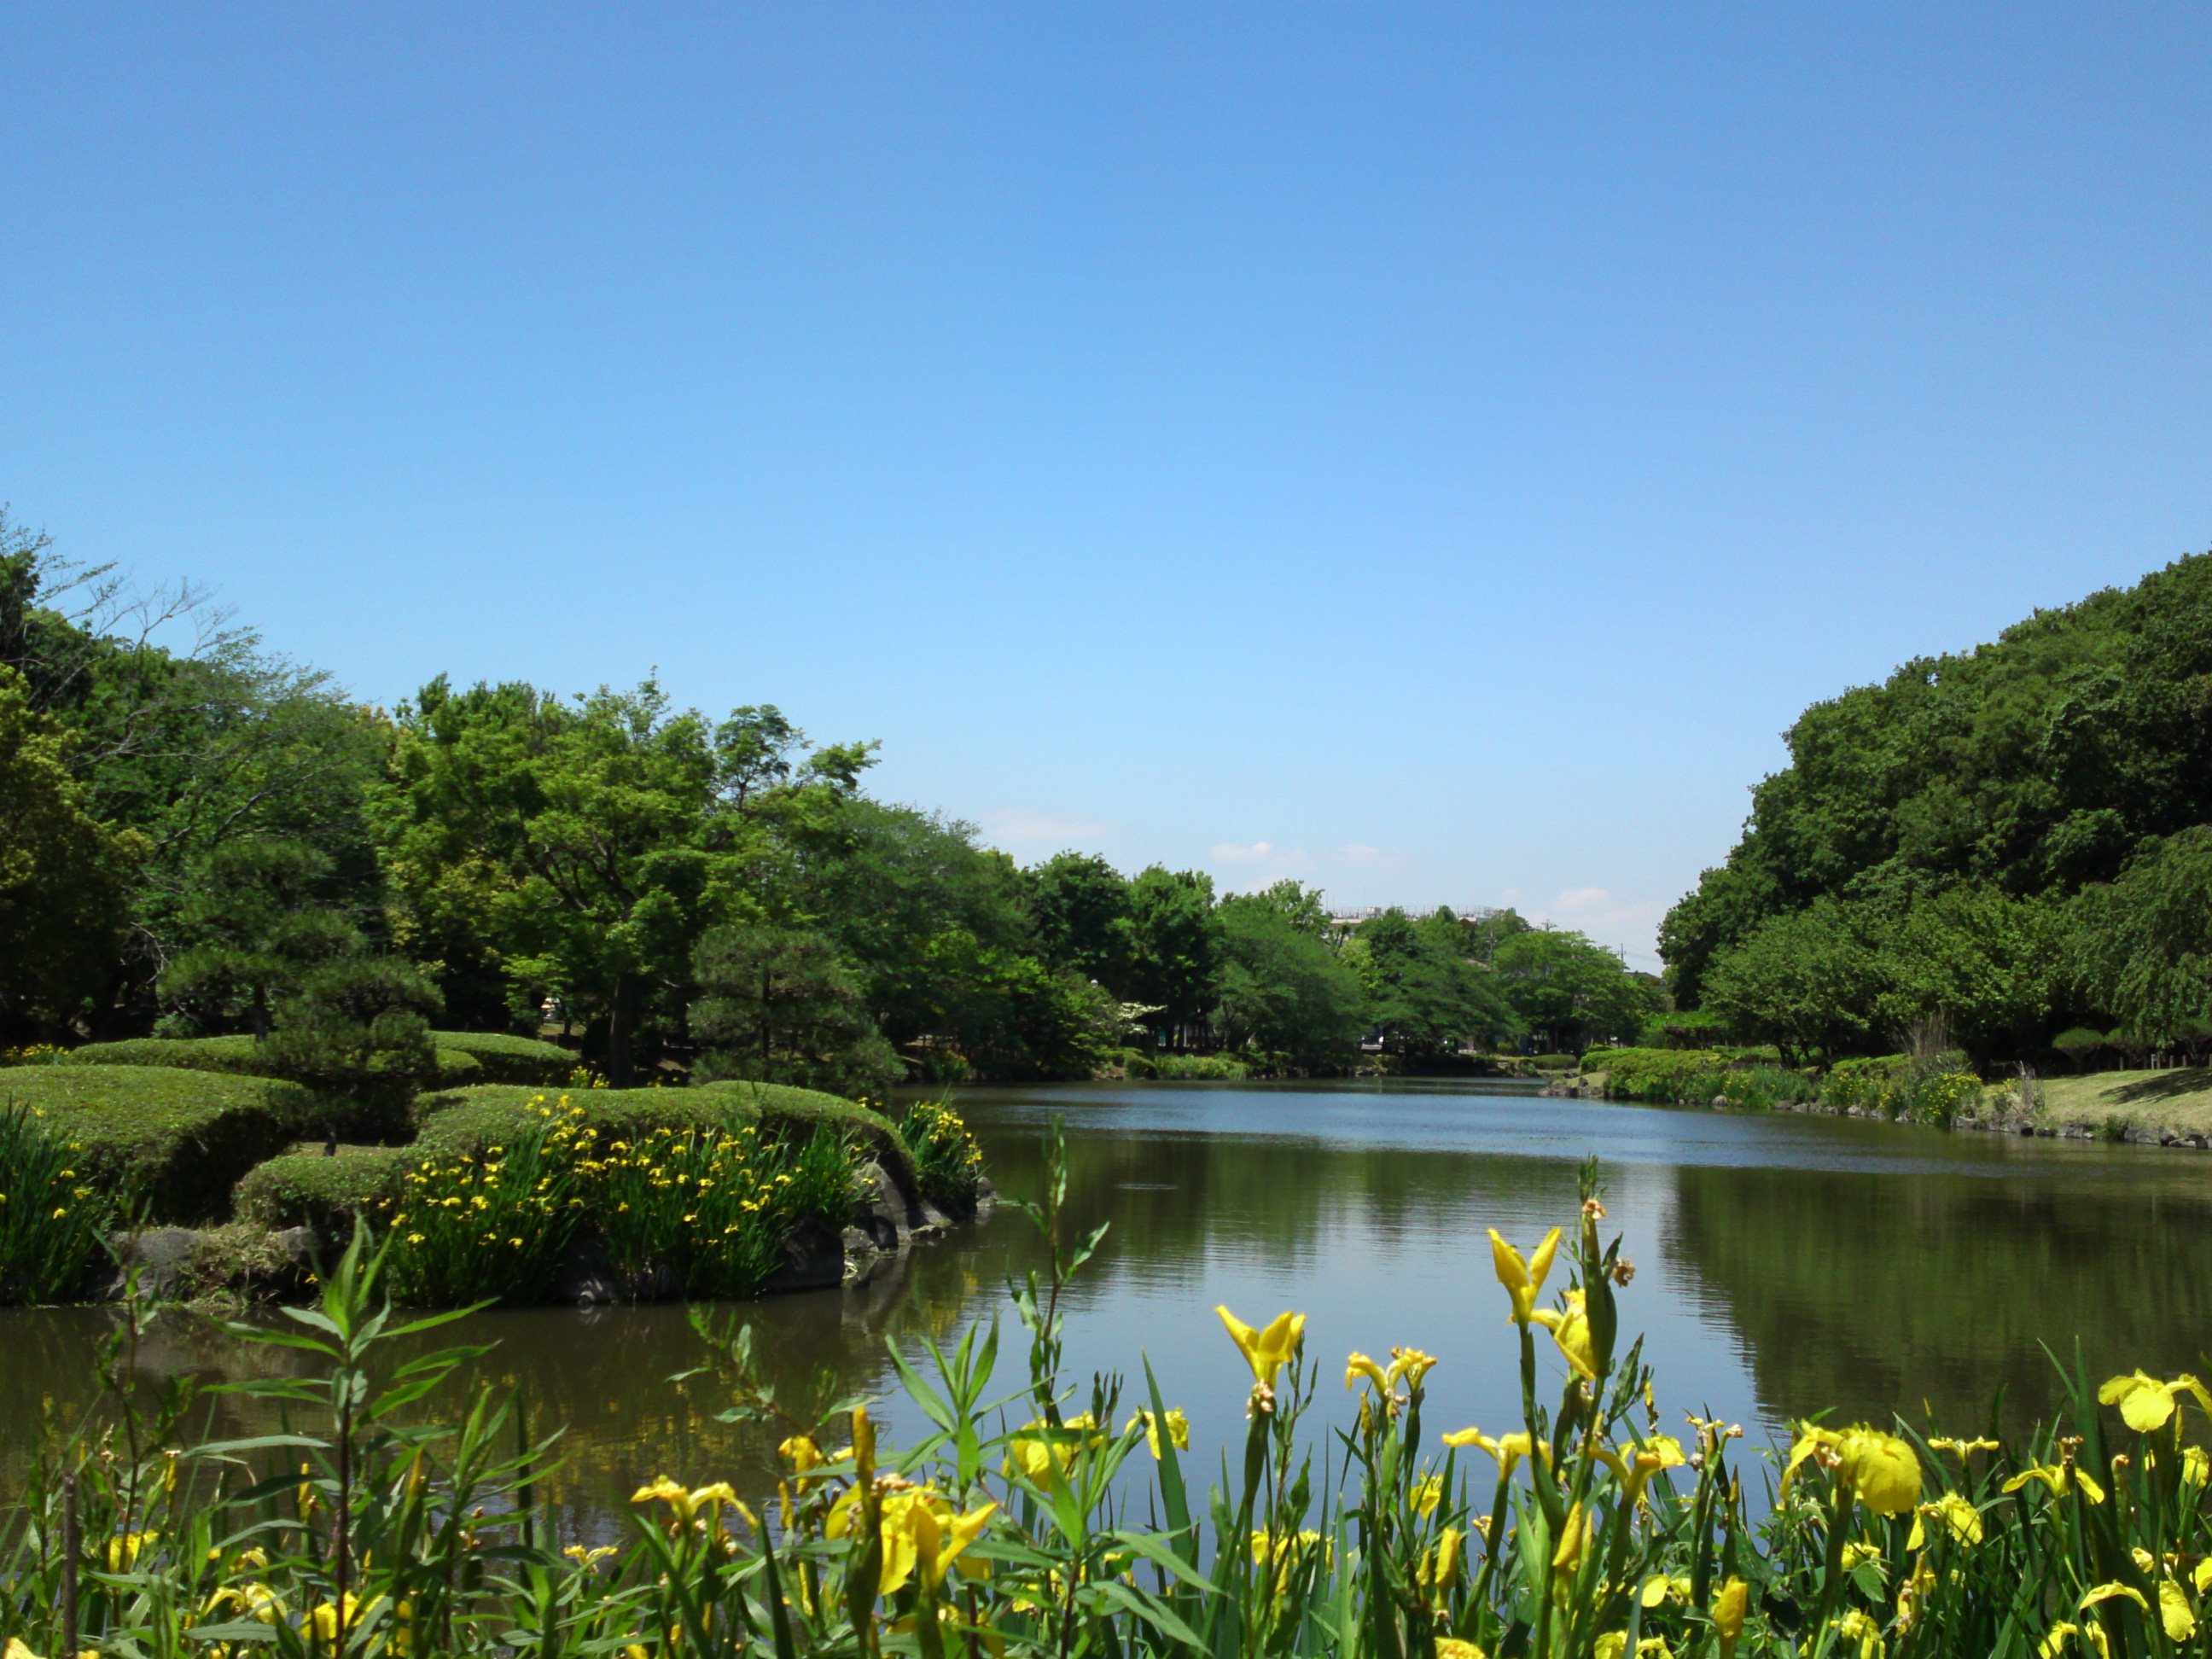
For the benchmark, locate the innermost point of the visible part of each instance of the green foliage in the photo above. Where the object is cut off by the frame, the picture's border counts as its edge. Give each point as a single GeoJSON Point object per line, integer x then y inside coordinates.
{"type": "Point", "coordinates": [2078, 1042]}
{"type": "Point", "coordinates": [357, 1030]}
{"type": "Point", "coordinates": [240, 1055]}
{"type": "Point", "coordinates": [1174, 945]}
{"type": "Point", "coordinates": [780, 1007]}
{"type": "Point", "coordinates": [1683, 1027]}
{"type": "Point", "coordinates": [948, 1164]}
{"type": "Point", "coordinates": [1282, 990]}
{"type": "Point", "coordinates": [1947, 814]}
{"type": "Point", "coordinates": [1425, 991]}
{"type": "Point", "coordinates": [1080, 905]}
{"type": "Point", "coordinates": [259, 912]}
{"type": "Point", "coordinates": [1189, 1068]}
{"type": "Point", "coordinates": [170, 1143]}
{"type": "Point", "coordinates": [1562, 987]}
{"type": "Point", "coordinates": [1865, 1083]}
{"type": "Point", "coordinates": [184, 752]}
{"type": "Point", "coordinates": [2142, 948]}
{"type": "Point", "coordinates": [64, 875]}
{"type": "Point", "coordinates": [1839, 976]}
{"type": "Point", "coordinates": [466, 1119]}
{"type": "Point", "coordinates": [584, 848]}
{"type": "Point", "coordinates": [491, 1224]}
{"type": "Point", "coordinates": [1691, 1076]}
{"type": "Point", "coordinates": [53, 1224]}
{"type": "Point", "coordinates": [1933, 1089]}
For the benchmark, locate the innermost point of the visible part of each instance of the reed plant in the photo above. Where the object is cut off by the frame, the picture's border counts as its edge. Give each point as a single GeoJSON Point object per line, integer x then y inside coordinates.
{"type": "Point", "coordinates": [1055, 1519]}
{"type": "Point", "coordinates": [53, 1226]}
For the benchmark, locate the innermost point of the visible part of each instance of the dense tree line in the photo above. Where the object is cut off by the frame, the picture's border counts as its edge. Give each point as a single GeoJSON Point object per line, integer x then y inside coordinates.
{"type": "Point", "coordinates": [2014, 844]}
{"type": "Point", "coordinates": [204, 837]}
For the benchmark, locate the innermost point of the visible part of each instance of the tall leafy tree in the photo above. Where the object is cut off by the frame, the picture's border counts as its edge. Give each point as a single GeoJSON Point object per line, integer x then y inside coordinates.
{"type": "Point", "coordinates": [778, 1005]}
{"type": "Point", "coordinates": [2143, 947]}
{"type": "Point", "coordinates": [1426, 994]}
{"type": "Point", "coordinates": [1174, 945]}
{"type": "Point", "coordinates": [1282, 988]}
{"type": "Point", "coordinates": [1570, 990]}
{"type": "Point", "coordinates": [582, 847]}
{"type": "Point", "coordinates": [64, 877]}
{"type": "Point", "coordinates": [186, 731]}
{"type": "Point", "coordinates": [2034, 765]}
{"type": "Point", "coordinates": [260, 914]}
{"type": "Point", "coordinates": [1080, 908]}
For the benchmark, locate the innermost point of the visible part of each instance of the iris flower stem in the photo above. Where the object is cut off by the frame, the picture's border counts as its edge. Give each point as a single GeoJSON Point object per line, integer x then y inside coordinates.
{"type": "Point", "coordinates": [1832, 1578]}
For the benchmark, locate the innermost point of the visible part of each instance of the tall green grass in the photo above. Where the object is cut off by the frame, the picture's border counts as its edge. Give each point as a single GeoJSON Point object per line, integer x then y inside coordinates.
{"type": "Point", "coordinates": [53, 1226]}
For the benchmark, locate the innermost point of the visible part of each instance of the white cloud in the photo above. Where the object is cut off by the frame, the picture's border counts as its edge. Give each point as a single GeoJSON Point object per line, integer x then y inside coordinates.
{"type": "Point", "coordinates": [1019, 823]}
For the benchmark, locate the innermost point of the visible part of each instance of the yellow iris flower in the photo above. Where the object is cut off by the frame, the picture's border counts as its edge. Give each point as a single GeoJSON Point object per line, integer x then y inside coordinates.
{"type": "Point", "coordinates": [1266, 1351]}
{"type": "Point", "coordinates": [1440, 1565]}
{"type": "Point", "coordinates": [1881, 1470]}
{"type": "Point", "coordinates": [1411, 1364]}
{"type": "Point", "coordinates": [1357, 1365]}
{"type": "Point", "coordinates": [1634, 1466]}
{"type": "Point", "coordinates": [2145, 1402]}
{"type": "Point", "coordinates": [922, 1536]}
{"type": "Point", "coordinates": [1956, 1513]}
{"type": "Point", "coordinates": [1523, 1277]}
{"type": "Point", "coordinates": [1571, 1330]}
{"type": "Point", "coordinates": [2091, 1636]}
{"type": "Point", "coordinates": [1178, 1431]}
{"type": "Point", "coordinates": [1964, 1448]}
{"type": "Point", "coordinates": [1731, 1603]}
{"type": "Point", "coordinates": [1574, 1542]}
{"type": "Point", "coordinates": [1508, 1449]}
{"type": "Point", "coordinates": [1447, 1647]}
{"type": "Point", "coordinates": [2060, 1478]}
{"type": "Point", "coordinates": [686, 1505]}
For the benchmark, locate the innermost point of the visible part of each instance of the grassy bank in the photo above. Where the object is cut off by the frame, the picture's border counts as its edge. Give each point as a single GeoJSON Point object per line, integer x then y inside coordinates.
{"type": "Point", "coordinates": [744, 1169]}
{"type": "Point", "coordinates": [2171, 1105]}
{"type": "Point", "coordinates": [1594, 1530]}
{"type": "Point", "coordinates": [2177, 1102]}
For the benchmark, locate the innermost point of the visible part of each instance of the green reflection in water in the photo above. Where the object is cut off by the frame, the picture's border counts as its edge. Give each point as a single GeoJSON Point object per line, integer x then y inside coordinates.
{"type": "Point", "coordinates": [1932, 1287]}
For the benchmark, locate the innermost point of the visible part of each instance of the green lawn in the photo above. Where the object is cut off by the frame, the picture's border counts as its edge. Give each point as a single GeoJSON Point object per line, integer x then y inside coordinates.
{"type": "Point", "coordinates": [2178, 1100]}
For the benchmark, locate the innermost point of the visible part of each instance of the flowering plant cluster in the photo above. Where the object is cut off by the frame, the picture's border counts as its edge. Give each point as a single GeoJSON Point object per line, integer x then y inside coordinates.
{"type": "Point", "coordinates": [701, 1211]}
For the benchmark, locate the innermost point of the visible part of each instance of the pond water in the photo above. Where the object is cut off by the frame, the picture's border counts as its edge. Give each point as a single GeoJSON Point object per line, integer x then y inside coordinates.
{"type": "Point", "coordinates": [1783, 1264]}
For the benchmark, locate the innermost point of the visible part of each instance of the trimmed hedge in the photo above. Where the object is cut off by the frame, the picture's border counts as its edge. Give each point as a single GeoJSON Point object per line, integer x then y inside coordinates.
{"type": "Point", "coordinates": [508, 1059]}
{"type": "Point", "coordinates": [174, 1138]}
{"type": "Point", "coordinates": [241, 1056]}
{"type": "Point", "coordinates": [307, 1189]}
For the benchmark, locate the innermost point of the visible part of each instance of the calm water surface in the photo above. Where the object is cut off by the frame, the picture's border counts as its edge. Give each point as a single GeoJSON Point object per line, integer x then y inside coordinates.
{"type": "Point", "coordinates": [1784, 1264]}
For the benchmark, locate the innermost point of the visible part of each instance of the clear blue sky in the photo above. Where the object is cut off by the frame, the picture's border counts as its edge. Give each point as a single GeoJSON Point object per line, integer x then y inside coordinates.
{"type": "Point", "coordinates": [1431, 450]}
